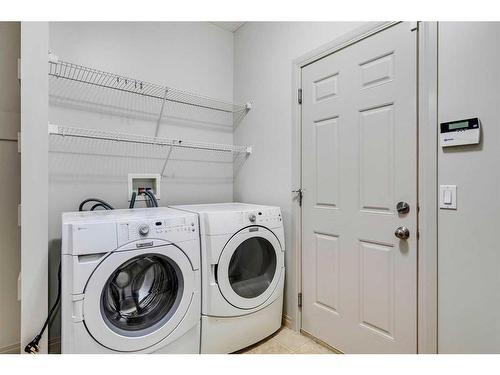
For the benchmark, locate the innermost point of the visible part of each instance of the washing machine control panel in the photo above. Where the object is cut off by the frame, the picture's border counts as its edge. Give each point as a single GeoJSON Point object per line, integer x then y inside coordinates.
{"type": "Point", "coordinates": [143, 229]}
{"type": "Point", "coordinates": [171, 229]}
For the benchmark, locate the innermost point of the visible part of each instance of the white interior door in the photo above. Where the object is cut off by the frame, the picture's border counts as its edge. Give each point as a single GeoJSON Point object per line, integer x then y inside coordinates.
{"type": "Point", "coordinates": [359, 159]}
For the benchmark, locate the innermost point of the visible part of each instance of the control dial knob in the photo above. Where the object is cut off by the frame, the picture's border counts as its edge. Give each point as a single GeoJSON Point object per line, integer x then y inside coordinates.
{"type": "Point", "coordinates": [252, 218]}
{"type": "Point", "coordinates": [143, 230]}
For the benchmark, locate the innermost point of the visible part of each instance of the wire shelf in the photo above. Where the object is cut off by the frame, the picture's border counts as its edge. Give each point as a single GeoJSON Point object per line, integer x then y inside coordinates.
{"type": "Point", "coordinates": [90, 134]}
{"type": "Point", "coordinates": [78, 87]}
{"type": "Point", "coordinates": [90, 76]}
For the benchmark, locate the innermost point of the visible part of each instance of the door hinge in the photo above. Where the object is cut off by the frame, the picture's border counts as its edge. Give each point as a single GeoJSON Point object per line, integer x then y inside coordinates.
{"type": "Point", "coordinates": [19, 211]}
{"type": "Point", "coordinates": [299, 96]}
{"type": "Point", "coordinates": [300, 195]}
{"type": "Point", "coordinates": [19, 75]}
{"type": "Point", "coordinates": [300, 299]}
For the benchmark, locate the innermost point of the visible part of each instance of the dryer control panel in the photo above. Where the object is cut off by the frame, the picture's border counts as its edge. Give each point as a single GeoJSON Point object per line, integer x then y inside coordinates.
{"type": "Point", "coordinates": [267, 217]}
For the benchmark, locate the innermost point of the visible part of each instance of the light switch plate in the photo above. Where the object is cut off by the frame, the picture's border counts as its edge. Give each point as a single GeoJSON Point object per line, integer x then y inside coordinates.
{"type": "Point", "coordinates": [448, 197]}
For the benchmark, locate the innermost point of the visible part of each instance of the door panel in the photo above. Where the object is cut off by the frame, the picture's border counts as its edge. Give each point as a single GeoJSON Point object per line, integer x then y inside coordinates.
{"type": "Point", "coordinates": [377, 71]}
{"type": "Point", "coordinates": [359, 159]}
{"type": "Point", "coordinates": [325, 88]}
{"type": "Point", "coordinates": [327, 271]}
{"type": "Point", "coordinates": [376, 157]}
{"type": "Point", "coordinates": [326, 140]}
{"type": "Point", "coordinates": [377, 287]}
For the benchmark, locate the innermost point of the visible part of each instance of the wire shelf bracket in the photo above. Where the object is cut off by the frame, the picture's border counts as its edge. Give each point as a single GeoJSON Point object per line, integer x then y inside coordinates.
{"type": "Point", "coordinates": [162, 110]}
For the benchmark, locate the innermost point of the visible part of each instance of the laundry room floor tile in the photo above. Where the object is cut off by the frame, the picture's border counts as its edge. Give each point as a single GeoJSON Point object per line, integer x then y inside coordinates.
{"type": "Point", "coordinates": [270, 346]}
{"type": "Point", "coordinates": [290, 339]}
{"type": "Point", "coordinates": [313, 348]}
{"type": "Point", "coordinates": [286, 341]}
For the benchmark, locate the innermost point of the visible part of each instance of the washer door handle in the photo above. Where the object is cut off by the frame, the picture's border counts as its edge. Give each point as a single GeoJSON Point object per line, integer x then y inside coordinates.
{"type": "Point", "coordinates": [141, 245]}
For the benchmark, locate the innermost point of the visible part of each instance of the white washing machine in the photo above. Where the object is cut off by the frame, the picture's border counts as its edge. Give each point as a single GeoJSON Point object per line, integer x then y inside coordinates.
{"type": "Point", "coordinates": [243, 272]}
{"type": "Point", "coordinates": [130, 282]}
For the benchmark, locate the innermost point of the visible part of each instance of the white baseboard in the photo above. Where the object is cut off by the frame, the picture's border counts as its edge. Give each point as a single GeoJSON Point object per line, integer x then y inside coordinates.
{"type": "Point", "coordinates": [287, 322]}
{"type": "Point", "coordinates": [321, 342]}
{"type": "Point", "coordinates": [11, 349]}
{"type": "Point", "coordinates": [55, 345]}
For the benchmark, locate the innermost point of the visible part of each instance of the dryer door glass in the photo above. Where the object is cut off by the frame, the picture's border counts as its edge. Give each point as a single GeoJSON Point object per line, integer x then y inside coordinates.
{"type": "Point", "coordinates": [141, 295]}
{"type": "Point", "coordinates": [252, 267]}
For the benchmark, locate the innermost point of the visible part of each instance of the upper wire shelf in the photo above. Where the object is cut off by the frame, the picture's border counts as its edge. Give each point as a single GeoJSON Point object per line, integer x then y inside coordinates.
{"type": "Point", "coordinates": [90, 76]}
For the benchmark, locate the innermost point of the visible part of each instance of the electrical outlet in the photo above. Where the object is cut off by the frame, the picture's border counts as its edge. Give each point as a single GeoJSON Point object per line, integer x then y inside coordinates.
{"type": "Point", "coordinates": [144, 181]}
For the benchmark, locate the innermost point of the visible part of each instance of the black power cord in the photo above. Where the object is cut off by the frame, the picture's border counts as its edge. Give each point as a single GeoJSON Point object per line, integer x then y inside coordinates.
{"type": "Point", "coordinates": [100, 202]}
{"type": "Point", "coordinates": [150, 198]}
{"type": "Point", "coordinates": [32, 346]}
{"type": "Point", "coordinates": [98, 205]}
{"type": "Point", "coordinates": [132, 200]}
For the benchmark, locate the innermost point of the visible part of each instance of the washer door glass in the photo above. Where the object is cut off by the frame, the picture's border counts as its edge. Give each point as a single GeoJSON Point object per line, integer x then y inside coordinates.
{"type": "Point", "coordinates": [252, 267]}
{"type": "Point", "coordinates": [141, 295]}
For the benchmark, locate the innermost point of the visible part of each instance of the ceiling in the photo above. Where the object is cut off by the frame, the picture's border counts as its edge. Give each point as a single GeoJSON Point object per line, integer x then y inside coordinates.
{"type": "Point", "coordinates": [229, 26]}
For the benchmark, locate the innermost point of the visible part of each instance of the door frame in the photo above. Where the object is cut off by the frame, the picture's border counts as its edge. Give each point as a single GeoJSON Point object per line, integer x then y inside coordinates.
{"type": "Point", "coordinates": [427, 54]}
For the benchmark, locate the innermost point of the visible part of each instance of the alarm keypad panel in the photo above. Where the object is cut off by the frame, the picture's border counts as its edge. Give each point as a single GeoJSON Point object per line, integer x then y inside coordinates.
{"type": "Point", "coordinates": [461, 132]}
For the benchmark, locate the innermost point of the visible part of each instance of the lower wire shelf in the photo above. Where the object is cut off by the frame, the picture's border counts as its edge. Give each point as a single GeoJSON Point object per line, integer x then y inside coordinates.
{"type": "Point", "coordinates": [85, 133]}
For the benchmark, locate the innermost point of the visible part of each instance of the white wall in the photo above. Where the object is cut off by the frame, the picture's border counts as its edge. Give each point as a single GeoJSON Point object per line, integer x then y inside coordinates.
{"type": "Point", "coordinates": [263, 55]}
{"type": "Point", "coordinates": [469, 252]}
{"type": "Point", "coordinates": [34, 180]}
{"type": "Point", "coordinates": [10, 170]}
{"type": "Point", "coordinates": [195, 57]}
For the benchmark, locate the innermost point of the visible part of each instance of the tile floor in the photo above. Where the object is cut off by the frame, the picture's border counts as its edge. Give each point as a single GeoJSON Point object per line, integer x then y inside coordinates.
{"type": "Point", "coordinates": [286, 341]}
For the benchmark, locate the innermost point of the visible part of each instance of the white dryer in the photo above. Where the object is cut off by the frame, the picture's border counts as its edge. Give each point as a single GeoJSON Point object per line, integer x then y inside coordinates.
{"type": "Point", "coordinates": [130, 282]}
{"type": "Point", "coordinates": [243, 274]}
